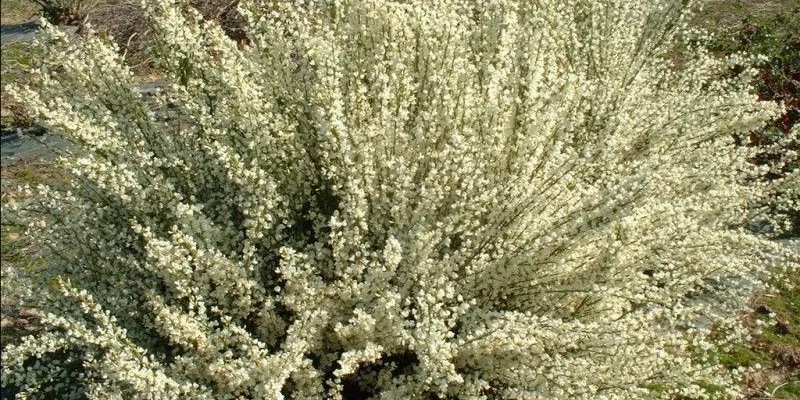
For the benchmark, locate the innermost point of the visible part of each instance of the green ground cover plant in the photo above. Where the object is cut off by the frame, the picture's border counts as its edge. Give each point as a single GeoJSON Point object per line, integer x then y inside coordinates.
{"type": "Point", "coordinates": [774, 350]}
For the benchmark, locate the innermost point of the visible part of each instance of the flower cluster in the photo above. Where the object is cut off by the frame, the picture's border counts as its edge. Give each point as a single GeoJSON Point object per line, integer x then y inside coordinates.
{"type": "Point", "coordinates": [393, 199]}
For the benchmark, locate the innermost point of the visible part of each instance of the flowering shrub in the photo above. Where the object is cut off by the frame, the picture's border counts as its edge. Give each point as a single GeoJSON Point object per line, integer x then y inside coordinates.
{"type": "Point", "coordinates": [397, 199]}
{"type": "Point", "coordinates": [768, 31]}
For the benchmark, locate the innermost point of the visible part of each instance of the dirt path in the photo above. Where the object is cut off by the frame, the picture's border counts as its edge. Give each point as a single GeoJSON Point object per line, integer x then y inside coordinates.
{"type": "Point", "coordinates": [25, 32]}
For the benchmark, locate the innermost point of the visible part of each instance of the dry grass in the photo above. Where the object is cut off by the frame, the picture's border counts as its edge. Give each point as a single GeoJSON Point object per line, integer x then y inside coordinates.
{"type": "Point", "coordinates": [125, 22]}
{"type": "Point", "coordinates": [20, 257]}
{"type": "Point", "coordinates": [17, 11]}
{"type": "Point", "coordinates": [776, 347]}
{"type": "Point", "coordinates": [729, 14]}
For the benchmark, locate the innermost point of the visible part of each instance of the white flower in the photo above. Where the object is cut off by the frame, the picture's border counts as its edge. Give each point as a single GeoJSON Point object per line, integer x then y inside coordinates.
{"type": "Point", "coordinates": [401, 200]}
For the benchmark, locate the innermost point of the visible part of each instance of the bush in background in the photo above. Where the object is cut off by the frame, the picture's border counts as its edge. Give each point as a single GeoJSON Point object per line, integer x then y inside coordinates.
{"type": "Point", "coordinates": [399, 200]}
{"type": "Point", "coordinates": [66, 12]}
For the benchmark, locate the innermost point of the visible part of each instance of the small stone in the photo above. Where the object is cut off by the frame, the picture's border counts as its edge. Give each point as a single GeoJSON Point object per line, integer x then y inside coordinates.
{"type": "Point", "coordinates": [28, 313]}
{"type": "Point", "coordinates": [6, 322]}
{"type": "Point", "coordinates": [36, 130]}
